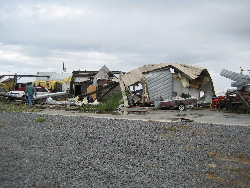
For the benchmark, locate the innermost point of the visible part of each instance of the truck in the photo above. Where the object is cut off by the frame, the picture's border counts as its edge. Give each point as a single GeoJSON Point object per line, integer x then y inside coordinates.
{"type": "Point", "coordinates": [20, 93]}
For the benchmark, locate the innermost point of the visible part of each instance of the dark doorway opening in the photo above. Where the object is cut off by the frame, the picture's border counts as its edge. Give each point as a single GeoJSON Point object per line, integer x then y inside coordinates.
{"type": "Point", "coordinates": [78, 90]}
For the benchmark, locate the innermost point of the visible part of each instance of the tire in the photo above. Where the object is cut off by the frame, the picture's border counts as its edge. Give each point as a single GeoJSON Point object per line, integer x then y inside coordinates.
{"type": "Point", "coordinates": [182, 107]}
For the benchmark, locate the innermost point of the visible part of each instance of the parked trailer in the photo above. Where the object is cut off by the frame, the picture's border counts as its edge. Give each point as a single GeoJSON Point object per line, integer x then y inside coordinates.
{"type": "Point", "coordinates": [177, 103]}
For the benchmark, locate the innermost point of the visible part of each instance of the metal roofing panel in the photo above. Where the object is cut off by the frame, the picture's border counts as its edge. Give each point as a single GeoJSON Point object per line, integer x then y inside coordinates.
{"type": "Point", "coordinates": [53, 76]}
{"type": "Point", "coordinates": [234, 76]}
{"type": "Point", "coordinates": [240, 79]}
{"type": "Point", "coordinates": [135, 75]}
{"type": "Point", "coordinates": [159, 84]}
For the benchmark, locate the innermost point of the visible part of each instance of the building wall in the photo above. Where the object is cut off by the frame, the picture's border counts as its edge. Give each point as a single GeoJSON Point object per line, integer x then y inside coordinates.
{"type": "Point", "coordinates": [179, 89]}
{"type": "Point", "coordinates": [81, 79]}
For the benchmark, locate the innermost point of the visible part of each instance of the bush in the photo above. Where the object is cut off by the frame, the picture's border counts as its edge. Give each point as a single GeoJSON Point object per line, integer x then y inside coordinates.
{"type": "Point", "coordinates": [110, 104]}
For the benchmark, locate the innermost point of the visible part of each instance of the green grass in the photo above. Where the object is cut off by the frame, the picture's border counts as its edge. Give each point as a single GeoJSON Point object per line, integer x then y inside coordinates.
{"type": "Point", "coordinates": [240, 171]}
{"type": "Point", "coordinates": [2, 124]}
{"type": "Point", "coordinates": [40, 120]}
{"type": "Point", "coordinates": [15, 107]}
{"type": "Point", "coordinates": [108, 105]}
{"type": "Point", "coordinates": [237, 170]}
{"type": "Point", "coordinates": [170, 129]}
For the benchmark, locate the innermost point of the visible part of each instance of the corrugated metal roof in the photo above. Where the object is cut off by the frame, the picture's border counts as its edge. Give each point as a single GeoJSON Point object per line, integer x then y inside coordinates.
{"type": "Point", "coordinates": [53, 76]}
{"type": "Point", "coordinates": [240, 79]}
{"type": "Point", "coordinates": [234, 76]}
{"type": "Point", "coordinates": [135, 75]}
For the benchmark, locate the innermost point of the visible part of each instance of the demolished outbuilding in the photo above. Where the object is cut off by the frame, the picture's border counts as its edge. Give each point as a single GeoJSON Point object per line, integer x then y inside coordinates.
{"type": "Point", "coordinates": [166, 80]}
{"type": "Point", "coordinates": [56, 82]}
{"type": "Point", "coordinates": [237, 100]}
{"type": "Point", "coordinates": [94, 84]}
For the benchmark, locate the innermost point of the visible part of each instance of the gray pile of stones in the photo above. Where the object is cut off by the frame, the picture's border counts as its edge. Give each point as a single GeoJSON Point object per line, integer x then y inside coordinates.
{"type": "Point", "coordinates": [66, 151]}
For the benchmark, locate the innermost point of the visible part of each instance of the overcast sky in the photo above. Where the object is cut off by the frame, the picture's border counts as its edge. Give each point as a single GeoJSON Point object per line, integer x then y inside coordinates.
{"type": "Point", "coordinates": [38, 35]}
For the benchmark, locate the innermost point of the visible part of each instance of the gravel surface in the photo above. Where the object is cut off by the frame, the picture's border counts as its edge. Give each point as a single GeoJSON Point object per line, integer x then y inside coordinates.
{"type": "Point", "coordinates": [61, 151]}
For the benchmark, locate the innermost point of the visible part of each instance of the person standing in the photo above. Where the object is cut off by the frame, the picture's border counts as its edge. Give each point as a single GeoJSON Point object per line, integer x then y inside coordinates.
{"type": "Point", "coordinates": [30, 90]}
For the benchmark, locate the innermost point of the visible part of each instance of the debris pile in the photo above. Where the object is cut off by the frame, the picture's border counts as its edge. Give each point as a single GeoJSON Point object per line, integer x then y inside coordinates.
{"type": "Point", "coordinates": [237, 100]}
{"type": "Point", "coordinates": [149, 86]}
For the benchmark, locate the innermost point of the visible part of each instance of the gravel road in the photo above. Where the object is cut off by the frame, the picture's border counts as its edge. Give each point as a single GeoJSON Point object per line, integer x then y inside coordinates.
{"type": "Point", "coordinates": [61, 151]}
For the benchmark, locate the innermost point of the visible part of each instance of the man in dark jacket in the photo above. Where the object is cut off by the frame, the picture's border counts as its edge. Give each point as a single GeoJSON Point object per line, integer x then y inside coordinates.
{"type": "Point", "coordinates": [30, 90]}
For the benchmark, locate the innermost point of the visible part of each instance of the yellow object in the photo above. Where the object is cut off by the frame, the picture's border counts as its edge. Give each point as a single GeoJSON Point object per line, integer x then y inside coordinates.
{"type": "Point", "coordinates": [8, 84]}
{"type": "Point", "coordinates": [48, 84]}
{"type": "Point", "coordinates": [184, 81]}
{"type": "Point", "coordinates": [67, 80]}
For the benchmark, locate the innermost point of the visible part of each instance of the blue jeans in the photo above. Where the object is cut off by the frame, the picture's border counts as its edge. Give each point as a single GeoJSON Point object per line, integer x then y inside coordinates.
{"type": "Point", "coordinates": [30, 98]}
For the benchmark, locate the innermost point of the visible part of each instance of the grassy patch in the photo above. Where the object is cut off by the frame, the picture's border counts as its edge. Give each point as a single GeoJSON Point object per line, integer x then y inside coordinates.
{"type": "Point", "coordinates": [40, 120]}
{"type": "Point", "coordinates": [213, 176]}
{"type": "Point", "coordinates": [15, 107]}
{"type": "Point", "coordinates": [110, 104]}
{"type": "Point", "coordinates": [170, 128]}
{"type": "Point", "coordinates": [2, 124]}
{"type": "Point", "coordinates": [240, 171]}
{"type": "Point", "coordinates": [237, 170]}
{"type": "Point", "coordinates": [166, 130]}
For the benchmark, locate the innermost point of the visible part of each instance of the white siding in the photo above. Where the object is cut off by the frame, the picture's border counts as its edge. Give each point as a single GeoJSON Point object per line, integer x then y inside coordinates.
{"type": "Point", "coordinates": [179, 89]}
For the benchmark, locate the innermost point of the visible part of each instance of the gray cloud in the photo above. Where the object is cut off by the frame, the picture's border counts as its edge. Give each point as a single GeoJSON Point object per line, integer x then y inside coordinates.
{"type": "Point", "coordinates": [123, 35]}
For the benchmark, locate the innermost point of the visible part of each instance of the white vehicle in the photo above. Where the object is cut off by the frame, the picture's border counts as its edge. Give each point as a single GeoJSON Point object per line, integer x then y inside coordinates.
{"type": "Point", "coordinates": [20, 93]}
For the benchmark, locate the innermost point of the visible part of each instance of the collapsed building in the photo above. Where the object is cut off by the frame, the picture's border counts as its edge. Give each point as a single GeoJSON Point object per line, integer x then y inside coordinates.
{"type": "Point", "coordinates": [158, 82]}
{"type": "Point", "coordinates": [55, 82]}
{"type": "Point", "coordinates": [239, 80]}
{"type": "Point", "coordinates": [146, 85]}
{"type": "Point", "coordinates": [237, 100]}
{"type": "Point", "coordinates": [95, 84]}
{"type": "Point", "coordinates": [78, 83]}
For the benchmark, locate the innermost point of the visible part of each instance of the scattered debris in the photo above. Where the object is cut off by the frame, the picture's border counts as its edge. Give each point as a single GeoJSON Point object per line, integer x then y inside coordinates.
{"type": "Point", "coordinates": [151, 85]}
{"type": "Point", "coordinates": [186, 120]}
{"type": "Point", "coordinates": [96, 84]}
{"type": "Point", "coordinates": [237, 100]}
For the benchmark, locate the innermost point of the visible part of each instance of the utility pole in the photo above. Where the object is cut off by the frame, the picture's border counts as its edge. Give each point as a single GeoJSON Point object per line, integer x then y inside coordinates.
{"type": "Point", "coordinates": [64, 69]}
